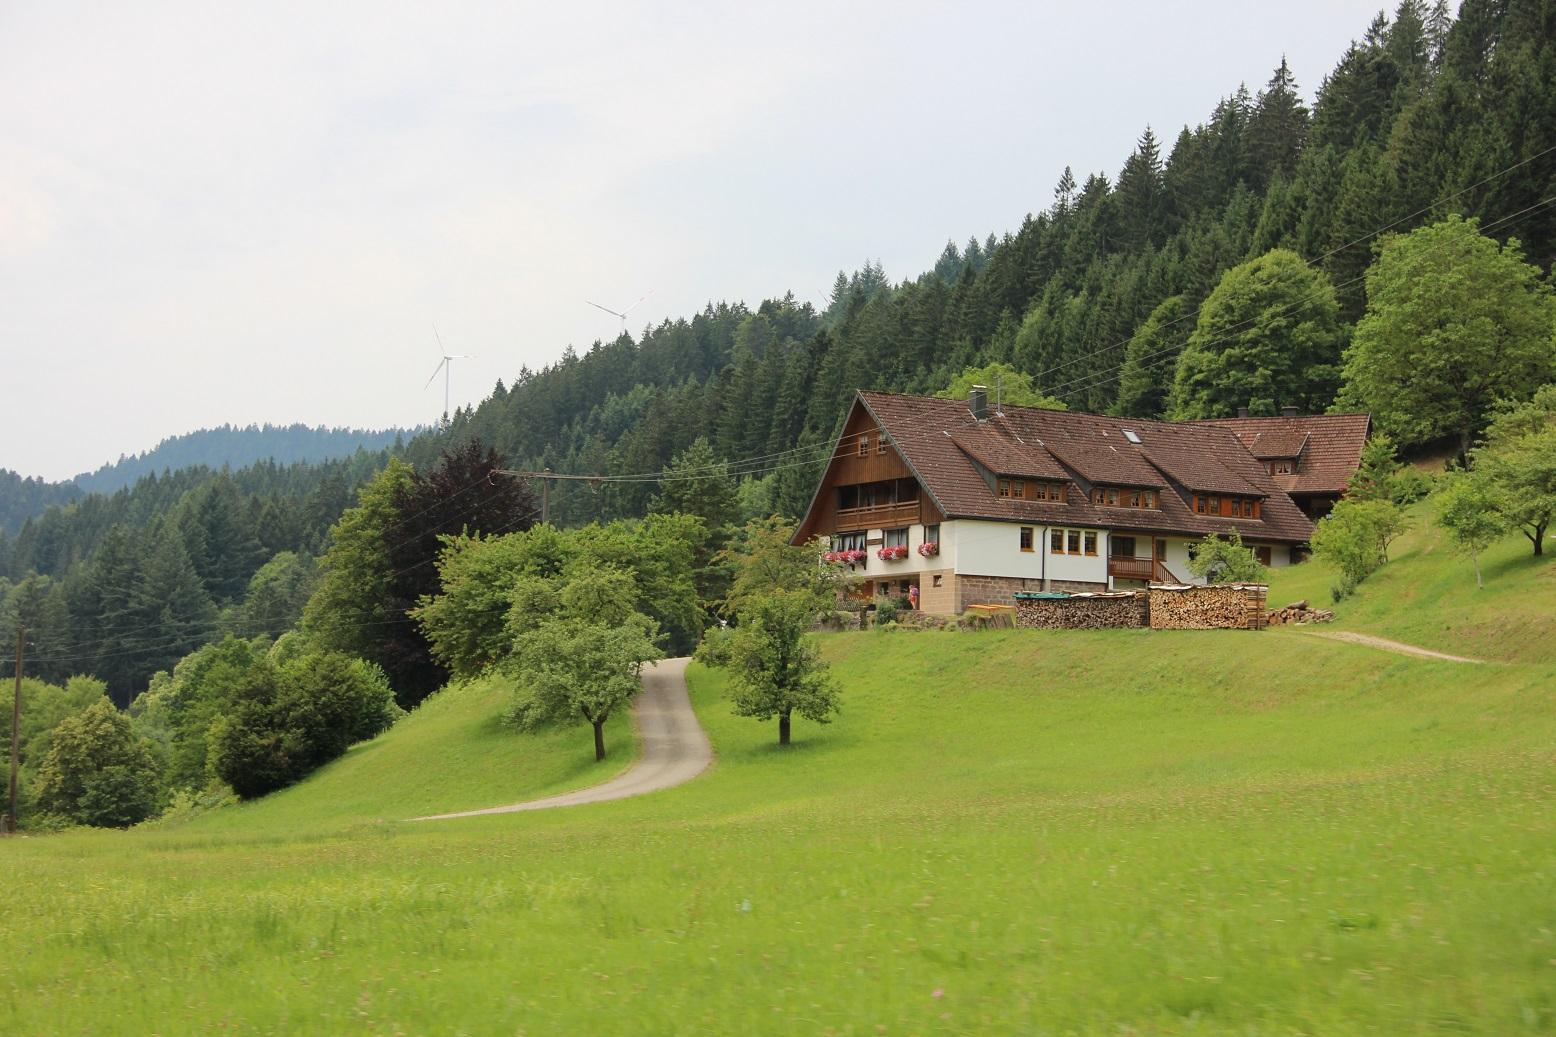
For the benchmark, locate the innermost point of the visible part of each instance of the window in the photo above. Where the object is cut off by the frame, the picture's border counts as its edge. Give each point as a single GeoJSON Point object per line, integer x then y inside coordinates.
{"type": "Point", "coordinates": [1003, 488]}
{"type": "Point", "coordinates": [1072, 541]}
{"type": "Point", "coordinates": [1091, 542]}
{"type": "Point", "coordinates": [934, 581]}
{"type": "Point", "coordinates": [1056, 541]}
{"type": "Point", "coordinates": [896, 537]}
{"type": "Point", "coordinates": [1237, 508]}
{"type": "Point", "coordinates": [1262, 552]}
{"type": "Point", "coordinates": [1280, 467]}
{"type": "Point", "coordinates": [1018, 489]}
{"type": "Point", "coordinates": [1124, 547]}
{"type": "Point", "coordinates": [1134, 498]}
{"type": "Point", "coordinates": [1026, 538]}
{"type": "Point", "coordinates": [932, 534]}
{"type": "Point", "coordinates": [1199, 504]}
{"type": "Point", "coordinates": [880, 442]}
{"type": "Point", "coordinates": [864, 444]}
{"type": "Point", "coordinates": [848, 541]}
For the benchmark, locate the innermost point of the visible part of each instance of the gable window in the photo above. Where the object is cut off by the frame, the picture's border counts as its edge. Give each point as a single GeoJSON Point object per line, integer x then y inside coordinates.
{"type": "Point", "coordinates": [1056, 541]}
{"type": "Point", "coordinates": [1026, 538]}
{"type": "Point", "coordinates": [864, 445]}
{"type": "Point", "coordinates": [880, 442]}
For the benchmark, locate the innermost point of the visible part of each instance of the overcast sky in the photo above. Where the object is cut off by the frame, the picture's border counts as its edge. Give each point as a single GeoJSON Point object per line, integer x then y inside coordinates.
{"type": "Point", "coordinates": [258, 212]}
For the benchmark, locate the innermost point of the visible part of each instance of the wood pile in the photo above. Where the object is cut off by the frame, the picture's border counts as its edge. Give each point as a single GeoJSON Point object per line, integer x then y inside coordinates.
{"type": "Point", "coordinates": [1233, 606]}
{"type": "Point", "coordinates": [1083, 612]}
{"type": "Point", "coordinates": [1297, 612]}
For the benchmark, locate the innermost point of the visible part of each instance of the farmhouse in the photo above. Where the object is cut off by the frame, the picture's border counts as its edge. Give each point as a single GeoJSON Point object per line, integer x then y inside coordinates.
{"type": "Point", "coordinates": [970, 504]}
{"type": "Point", "coordinates": [1309, 456]}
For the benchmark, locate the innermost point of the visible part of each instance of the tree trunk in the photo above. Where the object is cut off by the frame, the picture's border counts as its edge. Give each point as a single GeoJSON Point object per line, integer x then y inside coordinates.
{"type": "Point", "coordinates": [1478, 581]}
{"type": "Point", "coordinates": [599, 740]}
{"type": "Point", "coordinates": [783, 728]}
{"type": "Point", "coordinates": [1539, 539]}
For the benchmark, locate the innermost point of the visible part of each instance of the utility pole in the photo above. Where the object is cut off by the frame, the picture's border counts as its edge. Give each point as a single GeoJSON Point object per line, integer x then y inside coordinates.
{"type": "Point", "coordinates": [16, 725]}
{"type": "Point", "coordinates": [545, 490]}
{"type": "Point", "coordinates": [546, 478]}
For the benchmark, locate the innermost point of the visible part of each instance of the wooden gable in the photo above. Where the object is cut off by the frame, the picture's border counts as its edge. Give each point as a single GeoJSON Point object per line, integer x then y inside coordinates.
{"type": "Point", "coordinates": [863, 455]}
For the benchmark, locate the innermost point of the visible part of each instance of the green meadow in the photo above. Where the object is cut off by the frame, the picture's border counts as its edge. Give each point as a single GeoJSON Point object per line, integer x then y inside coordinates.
{"type": "Point", "coordinates": [1026, 832]}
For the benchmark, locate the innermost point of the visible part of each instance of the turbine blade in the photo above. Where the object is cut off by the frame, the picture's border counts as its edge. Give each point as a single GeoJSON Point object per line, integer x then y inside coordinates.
{"type": "Point", "coordinates": [435, 372]}
{"type": "Point", "coordinates": [607, 309]}
{"type": "Point", "coordinates": [441, 348]}
{"type": "Point", "coordinates": [629, 309]}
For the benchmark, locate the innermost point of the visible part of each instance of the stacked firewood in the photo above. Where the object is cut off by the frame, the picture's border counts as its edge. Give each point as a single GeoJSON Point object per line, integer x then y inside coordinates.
{"type": "Point", "coordinates": [1229, 607]}
{"type": "Point", "coordinates": [1297, 612]}
{"type": "Point", "coordinates": [1082, 612]}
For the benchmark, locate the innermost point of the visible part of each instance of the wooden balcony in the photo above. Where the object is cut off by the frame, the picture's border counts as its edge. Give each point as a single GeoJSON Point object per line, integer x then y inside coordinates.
{"type": "Point", "coordinates": [889, 516]}
{"type": "Point", "coordinates": [1121, 567]}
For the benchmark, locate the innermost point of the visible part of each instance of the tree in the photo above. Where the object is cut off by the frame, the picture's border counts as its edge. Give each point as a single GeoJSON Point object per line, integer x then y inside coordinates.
{"type": "Point", "coordinates": [774, 667]}
{"type": "Point", "coordinates": [97, 772]}
{"type": "Point", "coordinates": [1454, 322]}
{"type": "Point", "coordinates": [762, 558]}
{"type": "Point", "coordinates": [1010, 385]}
{"type": "Point", "coordinates": [277, 595]}
{"type": "Point", "coordinates": [697, 483]}
{"type": "Point", "coordinates": [1377, 476]}
{"type": "Point", "coordinates": [1466, 508]}
{"type": "Point", "coordinates": [585, 662]}
{"type": "Point", "coordinates": [350, 605]}
{"type": "Point", "coordinates": [1149, 359]}
{"type": "Point", "coordinates": [1270, 330]}
{"type": "Point", "coordinates": [1518, 464]}
{"type": "Point", "coordinates": [1354, 538]}
{"type": "Point", "coordinates": [1219, 559]}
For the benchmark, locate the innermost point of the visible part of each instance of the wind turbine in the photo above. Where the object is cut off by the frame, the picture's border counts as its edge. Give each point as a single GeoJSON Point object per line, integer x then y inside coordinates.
{"type": "Point", "coordinates": [623, 313]}
{"type": "Point", "coordinates": [445, 365]}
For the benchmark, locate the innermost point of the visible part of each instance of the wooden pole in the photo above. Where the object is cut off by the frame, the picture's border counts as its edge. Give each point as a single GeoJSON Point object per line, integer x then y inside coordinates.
{"type": "Point", "coordinates": [16, 725]}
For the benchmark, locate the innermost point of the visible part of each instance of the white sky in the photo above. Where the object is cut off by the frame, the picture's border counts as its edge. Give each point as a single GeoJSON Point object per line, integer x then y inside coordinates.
{"type": "Point", "coordinates": [216, 212]}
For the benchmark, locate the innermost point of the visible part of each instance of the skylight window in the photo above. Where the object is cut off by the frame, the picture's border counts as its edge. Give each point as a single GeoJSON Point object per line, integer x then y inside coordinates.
{"type": "Point", "coordinates": [1130, 435]}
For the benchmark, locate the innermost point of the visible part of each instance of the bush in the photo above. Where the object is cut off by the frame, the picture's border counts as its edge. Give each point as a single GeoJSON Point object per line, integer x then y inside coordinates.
{"type": "Point", "coordinates": [1354, 538]}
{"type": "Point", "coordinates": [886, 612]}
{"type": "Point", "coordinates": [97, 772]}
{"type": "Point", "coordinates": [290, 719]}
{"type": "Point", "coordinates": [1225, 560]}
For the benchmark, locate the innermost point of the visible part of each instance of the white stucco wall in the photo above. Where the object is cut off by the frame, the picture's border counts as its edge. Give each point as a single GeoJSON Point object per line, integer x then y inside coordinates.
{"type": "Point", "coordinates": [974, 547]}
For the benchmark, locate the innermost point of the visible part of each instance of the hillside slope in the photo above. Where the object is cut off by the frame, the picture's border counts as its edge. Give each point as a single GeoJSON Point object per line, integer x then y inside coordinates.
{"type": "Point", "coordinates": [1087, 832]}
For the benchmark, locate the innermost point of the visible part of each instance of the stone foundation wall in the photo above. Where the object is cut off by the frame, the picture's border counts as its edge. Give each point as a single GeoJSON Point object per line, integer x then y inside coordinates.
{"type": "Point", "coordinates": [1001, 590]}
{"type": "Point", "coordinates": [1234, 606]}
{"type": "Point", "coordinates": [1095, 612]}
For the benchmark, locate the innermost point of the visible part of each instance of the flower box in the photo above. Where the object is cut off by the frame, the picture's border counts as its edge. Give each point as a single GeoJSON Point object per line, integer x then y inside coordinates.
{"type": "Point", "coordinates": [850, 557]}
{"type": "Point", "coordinates": [891, 554]}
{"type": "Point", "coordinates": [929, 550]}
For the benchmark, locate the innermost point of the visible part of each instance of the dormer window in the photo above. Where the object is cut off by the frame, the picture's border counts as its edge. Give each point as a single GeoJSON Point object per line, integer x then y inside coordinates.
{"type": "Point", "coordinates": [1124, 497]}
{"type": "Point", "coordinates": [1226, 506]}
{"type": "Point", "coordinates": [1282, 467]}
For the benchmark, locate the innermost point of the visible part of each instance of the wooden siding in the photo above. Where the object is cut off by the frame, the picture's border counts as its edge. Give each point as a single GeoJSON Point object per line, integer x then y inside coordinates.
{"type": "Point", "coordinates": [849, 467]}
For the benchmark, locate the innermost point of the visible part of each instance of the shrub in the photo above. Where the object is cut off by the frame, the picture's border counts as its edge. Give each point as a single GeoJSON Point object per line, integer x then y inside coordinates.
{"type": "Point", "coordinates": [1354, 538]}
{"type": "Point", "coordinates": [1225, 560]}
{"type": "Point", "coordinates": [886, 612]}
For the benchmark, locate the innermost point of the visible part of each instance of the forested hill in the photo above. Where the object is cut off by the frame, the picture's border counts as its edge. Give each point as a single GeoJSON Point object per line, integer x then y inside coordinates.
{"type": "Point", "coordinates": [233, 446]}
{"type": "Point", "coordinates": [21, 498]}
{"type": "Point", "coordinates": [1095, 295]}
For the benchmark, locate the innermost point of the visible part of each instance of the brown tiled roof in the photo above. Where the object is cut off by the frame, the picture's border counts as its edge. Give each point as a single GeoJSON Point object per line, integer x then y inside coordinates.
{"type": "Point", "coordinates": [1277, 443]}
{"type": "Point", "coordinates": [929, 434]}
{"type": "Point", "coordinates": [1007, 455]}
{"type": "Point", "coordinates": [1332, 451]}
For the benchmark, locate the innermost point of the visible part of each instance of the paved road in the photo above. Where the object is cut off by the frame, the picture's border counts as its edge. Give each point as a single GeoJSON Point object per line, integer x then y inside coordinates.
{"type": "Point", "coordinates": [1398, 647]}
{"type": "Point", "coordinates": [675, 747]}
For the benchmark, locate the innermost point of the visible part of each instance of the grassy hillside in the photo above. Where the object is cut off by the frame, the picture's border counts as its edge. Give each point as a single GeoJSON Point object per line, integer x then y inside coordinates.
{"type": "Point", "coordinates": [1426, 595]}
{"type": "Point", "coordinates": [1022, 831]}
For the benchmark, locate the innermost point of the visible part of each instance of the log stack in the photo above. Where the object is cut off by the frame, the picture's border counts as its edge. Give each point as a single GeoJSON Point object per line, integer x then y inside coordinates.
{"type": "Point", "coordinates": [1082, 611]}
{"type": "Point", "coordinates": [1297, 612]}
{"type": "Point", "coordinates": [1234, 606]}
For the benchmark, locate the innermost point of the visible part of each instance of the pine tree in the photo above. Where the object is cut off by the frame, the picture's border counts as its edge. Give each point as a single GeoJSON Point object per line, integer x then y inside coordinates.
{"type": "Point", "coordinates": [1277, 129]}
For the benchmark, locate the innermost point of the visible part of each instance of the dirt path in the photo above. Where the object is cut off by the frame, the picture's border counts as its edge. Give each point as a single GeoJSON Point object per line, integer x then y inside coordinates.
{"type": "Point", "coordinates": [1398, 647]}
{"type": "Point", "coordinates": [675, 747]}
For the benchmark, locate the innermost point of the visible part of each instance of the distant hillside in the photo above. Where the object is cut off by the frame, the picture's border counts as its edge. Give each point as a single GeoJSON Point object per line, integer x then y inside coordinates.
{"type": "Point", "coordinates": [235, 447]}
{"type": "Point", "coordinates": [21, 498]}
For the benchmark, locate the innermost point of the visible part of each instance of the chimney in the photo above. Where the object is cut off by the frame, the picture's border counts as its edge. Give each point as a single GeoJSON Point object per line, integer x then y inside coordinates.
{"type": "Point", "coordinates": [1290, 412]}
{"type": "Point", "coordinates": [1242, 412]}
{"type": "Point", "coordinates": [978, 401]}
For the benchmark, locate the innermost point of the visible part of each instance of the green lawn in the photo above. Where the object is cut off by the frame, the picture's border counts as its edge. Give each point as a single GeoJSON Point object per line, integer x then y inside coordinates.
{"type": "Point", "coordinates": [1115, 832]}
